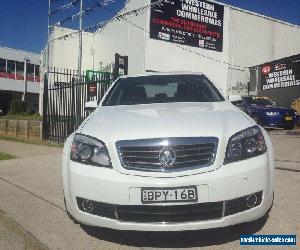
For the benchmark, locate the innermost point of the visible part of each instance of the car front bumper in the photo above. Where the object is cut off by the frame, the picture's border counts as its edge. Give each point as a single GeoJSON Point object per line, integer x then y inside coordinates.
{"type": "Point", "coordinates": [276, 121]}
{"type": "Point", "coordinates": [115, 191]}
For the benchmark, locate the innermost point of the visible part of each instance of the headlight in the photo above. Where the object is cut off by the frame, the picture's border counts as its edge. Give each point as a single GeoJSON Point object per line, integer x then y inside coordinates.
{"type": "Point", "coordinates": [245, 144]}
{"type": "Point", "coordinates": [272, 113]}
{"type": "Point", "coordinates": [90, 151]}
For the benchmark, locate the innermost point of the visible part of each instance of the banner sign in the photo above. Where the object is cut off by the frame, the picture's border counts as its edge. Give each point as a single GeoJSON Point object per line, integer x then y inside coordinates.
{"type": "Point", "coordinates": [195, 23]}
{"type": "Point", "coordinates": [92, 90]}
{"type": "Point", "coordinates": [94, 76]}
{"type": "Point", "coordinates": [281, 74]}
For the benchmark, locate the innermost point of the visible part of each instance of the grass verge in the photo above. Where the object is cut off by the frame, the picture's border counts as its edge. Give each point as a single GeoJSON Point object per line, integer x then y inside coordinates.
{"type": "Point", "coordinates": [4, 156]}
{"type": "Point", "coordinates": [39, 142]}
{"type": "Point", "coordinates": [34, 117]}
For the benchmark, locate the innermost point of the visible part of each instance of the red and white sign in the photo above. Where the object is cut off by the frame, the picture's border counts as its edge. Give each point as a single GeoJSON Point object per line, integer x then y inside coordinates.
{"type": "Point", "coordinates": [266, 69]}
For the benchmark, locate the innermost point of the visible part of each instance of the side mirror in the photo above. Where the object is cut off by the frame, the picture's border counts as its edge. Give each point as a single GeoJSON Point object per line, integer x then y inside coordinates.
{"type": "Point", "coordinates": [90, 106]}
{"type": "Point", "coordinates": [234, 98]}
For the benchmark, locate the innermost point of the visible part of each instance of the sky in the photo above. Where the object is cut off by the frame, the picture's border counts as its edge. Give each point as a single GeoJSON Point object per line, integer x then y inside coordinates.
{"type": "Point", "coordinates": [23, 23]}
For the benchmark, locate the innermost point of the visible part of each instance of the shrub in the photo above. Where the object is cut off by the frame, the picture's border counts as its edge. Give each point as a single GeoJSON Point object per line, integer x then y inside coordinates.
{"type": "Point", "coordinates": [18, 107]}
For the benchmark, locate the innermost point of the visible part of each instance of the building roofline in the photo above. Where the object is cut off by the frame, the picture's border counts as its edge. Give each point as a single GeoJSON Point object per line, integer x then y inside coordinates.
{"type": "Point", "coordinates": [70, 29]}
{"type": "Point", "coordinates": [113, 18]}
{"type": "Point", "coordinates": [36, 54]}
{"type": "Point", "coordinates": [256, 14]}
{"type": "Point", "coordinates": [226, 5]}
{"type": "Point", "coordinates": [297, 56]}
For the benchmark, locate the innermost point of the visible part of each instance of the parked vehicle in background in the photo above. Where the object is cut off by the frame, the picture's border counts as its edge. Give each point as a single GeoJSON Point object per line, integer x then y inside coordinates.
{"type": "Point", "coordinates": [268, 113]}
{"type": "Point", "coordinates": [167, 152]}
{"type": "Point", "coordinates": [296, 106]}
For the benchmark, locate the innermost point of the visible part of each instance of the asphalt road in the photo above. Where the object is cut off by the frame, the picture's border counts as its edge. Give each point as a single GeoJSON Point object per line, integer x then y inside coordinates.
{"type": "Point", "coordinates": [32, 213]}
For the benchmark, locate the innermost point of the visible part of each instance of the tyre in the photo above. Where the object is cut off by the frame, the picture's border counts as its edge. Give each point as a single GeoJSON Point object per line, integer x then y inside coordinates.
{"type": "Point", "coordinates": [289, 127]}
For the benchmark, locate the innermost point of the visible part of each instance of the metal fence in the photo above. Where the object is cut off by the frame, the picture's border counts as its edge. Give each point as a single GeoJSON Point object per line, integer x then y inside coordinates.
{"type": "Point", "coordinates": [63, 100]}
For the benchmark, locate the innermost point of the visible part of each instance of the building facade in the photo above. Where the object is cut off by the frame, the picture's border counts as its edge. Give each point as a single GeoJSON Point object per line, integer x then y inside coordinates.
{"type": "Point", "coordinates": [13, 85]}
{"type": "Point", "coordinates": [222, 41]}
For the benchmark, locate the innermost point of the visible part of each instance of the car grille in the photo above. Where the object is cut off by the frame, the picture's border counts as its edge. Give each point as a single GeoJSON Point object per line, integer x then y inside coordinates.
{"type": "Point", "coordinates": [144, 155]}
{"type": "Point", "coordinates": [144, 213]}
{"type": "Point", "coordinates": [183, 213]}
{"type": "Point", "coordinates": [170, 214]}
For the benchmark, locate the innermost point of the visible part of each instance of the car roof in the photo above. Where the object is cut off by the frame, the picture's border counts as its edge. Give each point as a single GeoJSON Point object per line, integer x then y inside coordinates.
{"type": "Point", "coordinates": [163, 74]}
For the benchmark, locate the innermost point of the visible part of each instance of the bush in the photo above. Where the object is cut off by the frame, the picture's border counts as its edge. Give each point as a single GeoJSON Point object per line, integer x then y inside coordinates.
{"type": "Point", "coordinates": [18, 107]}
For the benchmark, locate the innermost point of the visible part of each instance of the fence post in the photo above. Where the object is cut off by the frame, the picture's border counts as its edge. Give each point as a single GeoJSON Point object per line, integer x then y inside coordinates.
{"type": "Point", "coordinates": [26, 130]}
{"type": "Point", "coordinates": [45, 111]}
{"type": "Point", "coordinates": [116, 67]}
{"type": "Point", "coordinates": [6, 127]}
{"type": "Point", "coordinates": [17, 128]}
{"type": "Point", "coordinates": [41, 129]}
{"type": "Point", "coordinates": [125, 65]}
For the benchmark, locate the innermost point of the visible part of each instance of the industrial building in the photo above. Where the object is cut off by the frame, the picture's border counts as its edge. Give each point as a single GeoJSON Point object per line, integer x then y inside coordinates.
{"type": "Point", "coordinates": [19, 78]}
{"type": "Point", "coordinates": [222, 41]}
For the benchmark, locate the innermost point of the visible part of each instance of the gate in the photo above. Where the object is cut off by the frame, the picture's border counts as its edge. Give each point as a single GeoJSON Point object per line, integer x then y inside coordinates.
{"type": "Point", "coordinates": [64, 98]}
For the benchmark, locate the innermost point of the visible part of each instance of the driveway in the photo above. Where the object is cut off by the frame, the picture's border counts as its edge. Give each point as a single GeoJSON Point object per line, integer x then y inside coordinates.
{"type": "Point", "coordinates": [32, 210]}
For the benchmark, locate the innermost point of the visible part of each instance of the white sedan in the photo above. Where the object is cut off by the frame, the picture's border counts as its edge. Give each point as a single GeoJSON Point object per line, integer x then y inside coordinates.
{"type": "Point", "coordinates": [167, 152]}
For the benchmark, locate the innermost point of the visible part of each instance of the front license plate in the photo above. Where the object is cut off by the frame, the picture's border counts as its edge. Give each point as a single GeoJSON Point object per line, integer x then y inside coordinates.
{"type": "Point", "coordinates": [288, 118]}
{"type": "Point", "coordinates": [163, 195]}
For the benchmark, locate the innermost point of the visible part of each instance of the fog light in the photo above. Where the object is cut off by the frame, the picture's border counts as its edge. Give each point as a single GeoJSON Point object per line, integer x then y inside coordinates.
{"type": "Point", "coordinates": [87, 206]}
{"type": "Point", "coordinates": [251, 200]}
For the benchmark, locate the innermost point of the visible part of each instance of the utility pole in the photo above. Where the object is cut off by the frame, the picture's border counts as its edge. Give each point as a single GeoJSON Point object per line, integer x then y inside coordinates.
{"type": "Point", "coordinates": [43, 106]}
{"type": "Point", "coordinates": [80, 41]}
{"type": "Point", "coordinates": [77, 120]}
{"type": "Point", "coordinates": [48, 45]}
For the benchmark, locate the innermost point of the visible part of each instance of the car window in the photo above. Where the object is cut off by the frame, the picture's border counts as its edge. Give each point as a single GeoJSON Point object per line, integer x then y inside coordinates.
{"type": "Point", "coordinates": [261, 100]}
{"type": "Point", "coordinates": [162, 89]}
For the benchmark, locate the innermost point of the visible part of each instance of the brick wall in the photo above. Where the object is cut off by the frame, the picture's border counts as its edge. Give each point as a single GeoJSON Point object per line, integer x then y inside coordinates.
{"type": "Point", "coordinates": [22, 129]}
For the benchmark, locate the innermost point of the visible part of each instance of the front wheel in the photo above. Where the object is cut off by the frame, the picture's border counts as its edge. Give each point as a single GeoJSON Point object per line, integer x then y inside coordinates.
{"type": "Point", "coordinates": [289, 127]}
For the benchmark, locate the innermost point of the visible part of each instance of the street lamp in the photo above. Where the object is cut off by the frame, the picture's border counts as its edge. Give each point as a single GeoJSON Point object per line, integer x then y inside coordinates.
{"type": "Point", "coordinates": [25, 78]}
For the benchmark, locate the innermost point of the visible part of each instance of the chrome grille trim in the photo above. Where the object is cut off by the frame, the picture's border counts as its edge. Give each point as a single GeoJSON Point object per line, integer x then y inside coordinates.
{"type": "Point", "coordinates": [191, 153]}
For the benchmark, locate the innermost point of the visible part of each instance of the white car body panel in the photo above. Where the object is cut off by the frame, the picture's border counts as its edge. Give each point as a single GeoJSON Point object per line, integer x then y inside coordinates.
{"type": "Point", "coordinates": [121, 186]}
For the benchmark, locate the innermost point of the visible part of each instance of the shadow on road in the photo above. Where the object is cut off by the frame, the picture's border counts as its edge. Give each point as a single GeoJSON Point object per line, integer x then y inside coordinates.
{"type": "Point", "coordinates": [183, 239]}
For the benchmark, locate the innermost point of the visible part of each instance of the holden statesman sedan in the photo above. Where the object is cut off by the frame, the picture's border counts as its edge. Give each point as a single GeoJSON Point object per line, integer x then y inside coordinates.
{"type": "Point", "coordinates": [167, 152]}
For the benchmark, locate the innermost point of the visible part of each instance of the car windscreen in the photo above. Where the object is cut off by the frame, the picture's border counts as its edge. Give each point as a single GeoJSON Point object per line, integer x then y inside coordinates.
{"type": "Point", "coordinates": [162, 89]}
{"type": "Point", "coordinates": [261, 101]}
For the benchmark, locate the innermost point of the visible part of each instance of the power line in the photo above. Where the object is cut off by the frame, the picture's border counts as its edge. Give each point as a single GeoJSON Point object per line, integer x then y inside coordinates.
{"type": "Point", "coordinates": [140, 11]}
{"type": "Point", "coordinates": [237, 67]}
{"type": "Point", "coordinates": [64, 36]}
{"type": "Point", "coordinates": [87, 29]}
{"type": "Point", "coordinates": [75, 16]}
{"type": "Point", "coordinates": [65, 6]}
{"type": "Point", "coordinates": [97, 25]}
